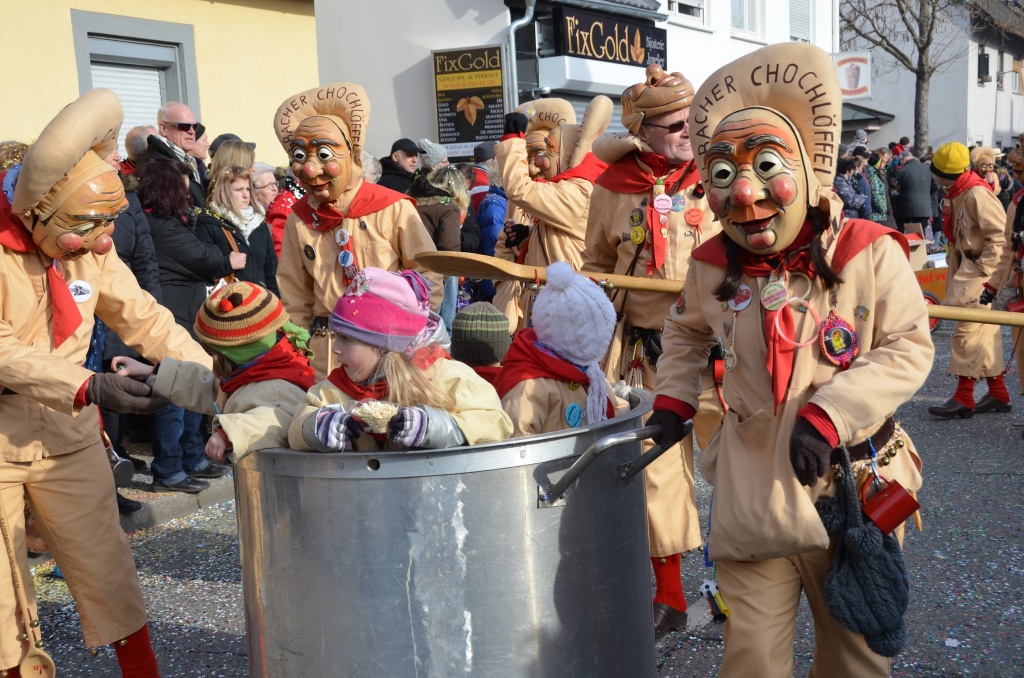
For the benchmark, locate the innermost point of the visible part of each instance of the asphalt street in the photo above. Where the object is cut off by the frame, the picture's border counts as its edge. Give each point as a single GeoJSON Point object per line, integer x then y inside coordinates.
{"type": "Point", "coordinates": [966, 615]}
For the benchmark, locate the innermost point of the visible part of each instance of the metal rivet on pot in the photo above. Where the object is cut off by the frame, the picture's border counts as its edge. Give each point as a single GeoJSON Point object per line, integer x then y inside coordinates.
{"type": "Point", "coordinates": [522, 454]}
{"type": "Point", "coordinates": [373, 464]}
{"type": "Point", "coordinates": [341, 464]}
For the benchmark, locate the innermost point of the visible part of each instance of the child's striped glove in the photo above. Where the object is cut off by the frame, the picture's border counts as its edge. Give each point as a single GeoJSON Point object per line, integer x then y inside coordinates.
{"type": "Point", "coordinates": [408, 428]}
{"type": "Point", "coordinates": [336, 429]}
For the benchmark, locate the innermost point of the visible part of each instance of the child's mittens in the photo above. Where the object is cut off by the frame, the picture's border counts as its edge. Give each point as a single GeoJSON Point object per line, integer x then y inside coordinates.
{"type": "Point", "coordinates": [337, 430]}
{"type": "Point", "coordinates": [408, 428]}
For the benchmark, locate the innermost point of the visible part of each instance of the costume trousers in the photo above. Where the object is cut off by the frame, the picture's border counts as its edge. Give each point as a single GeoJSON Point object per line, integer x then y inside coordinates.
{"type": "Point", "coordinates": [72, 497]}
{"type": "Point", "coordinates": [976, 350]}
{"type": "Point", "coordinates": [763, 597]}
{"type": "Point", "coordinates": [673, 525]}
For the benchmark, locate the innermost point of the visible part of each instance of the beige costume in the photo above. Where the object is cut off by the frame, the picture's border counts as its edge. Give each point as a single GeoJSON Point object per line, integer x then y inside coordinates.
{"type": "Point", "coordinates": [309, 274]}
{"type": "Point", "coordinates": [1009, 275]}
{"type": "Point", "coordinates": [555, 212]}
{"type": "Point", "coordinates": [979, 254]}
{"type": "Point", "coordinates": [478, 412]}
{"type": "Point", "coordinates": [673, 524]}
{"type": "Point", "coordinates": [254, 417]}
{"type": "Point", "coordinates": [49, 448]}
{"type": "Point", "coordinates": [766, 537]}
{"type": "Point", "coordinates": [538, 405]}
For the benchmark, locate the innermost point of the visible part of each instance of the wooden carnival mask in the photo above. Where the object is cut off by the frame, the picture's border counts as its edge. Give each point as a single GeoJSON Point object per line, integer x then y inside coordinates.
{"type": "Point", "coordinates": [321, 157]}
{"type": "Point", "coordinates": [83, 222]}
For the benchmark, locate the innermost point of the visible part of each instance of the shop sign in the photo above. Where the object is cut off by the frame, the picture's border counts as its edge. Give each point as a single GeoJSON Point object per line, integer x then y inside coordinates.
{"type": "Point", "coordinates": [608, 39]}
{"type": "Point", "coordinates": [469, 96]}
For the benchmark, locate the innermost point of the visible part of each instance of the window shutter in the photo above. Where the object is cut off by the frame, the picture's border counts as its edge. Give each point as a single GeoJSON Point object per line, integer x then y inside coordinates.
{"type": "Point", "coordinates": [580, 102]}
{"type": "Point", "coordinates": [800, 20]}
{"type": "Point", "coordinates": [139, 89]}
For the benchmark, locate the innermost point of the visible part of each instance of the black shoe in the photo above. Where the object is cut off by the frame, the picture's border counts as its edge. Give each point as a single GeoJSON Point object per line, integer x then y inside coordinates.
{"type": "Point", "coordinates": [188, 485]}
{"type": "Point", "coordinates": [951, 409]}
{"type": "Point", "coordinates": [126, 505]}
{"type": "Point", "coordinates": [990, 404]}
{"type": "Point", "coordinates": [212, 470]}
{"type": "Point", "coordinates": [139, 464]}
{"type": "Point", "coordinates": [667, 619]}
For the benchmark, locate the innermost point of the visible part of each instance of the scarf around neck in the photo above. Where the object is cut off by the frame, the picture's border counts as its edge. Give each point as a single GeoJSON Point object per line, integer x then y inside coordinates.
{"type": "Point", "coordinates": [246, 224]}
{"type": "Point", "coordinates": [282, 361]}
{"type": "Point", "coordinates": [964, 183]}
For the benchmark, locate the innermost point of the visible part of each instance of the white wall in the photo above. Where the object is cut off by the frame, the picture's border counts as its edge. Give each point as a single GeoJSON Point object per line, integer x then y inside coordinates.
{"type": "Point", "coordinates": [385, 47]}
{"type": "Point", "coordinates": [992, 115]}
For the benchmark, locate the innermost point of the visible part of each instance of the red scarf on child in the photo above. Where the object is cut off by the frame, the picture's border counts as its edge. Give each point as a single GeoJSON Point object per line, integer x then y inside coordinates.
{"type": "Point", "coordinates": [282, 361]}
{"type": "Point", "coordinates": [378, 390]}
{"type": "Point", "coordinates": [964, 183]}
{"type": "Point", "coordinates": [525, 360]}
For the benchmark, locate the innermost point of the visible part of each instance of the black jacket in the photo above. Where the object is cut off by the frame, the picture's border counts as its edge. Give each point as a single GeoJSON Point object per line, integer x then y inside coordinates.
{"type": "Point", "coordinates": [186, 264]}
{"type": "Point", "coordinates": [157, 146]}
{"type": "Point", "coordinates": [393, 176]}
{"type": "Point", "coordinates": [261, 258]}
{"type": "Point", "coordinates": [916, 187]}
{"type": "Point", "coordinates": [134, 245]}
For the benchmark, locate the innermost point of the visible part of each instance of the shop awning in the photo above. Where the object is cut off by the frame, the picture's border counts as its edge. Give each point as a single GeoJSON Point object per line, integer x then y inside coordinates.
{"type": "Point", "coordinates": [860, 116]}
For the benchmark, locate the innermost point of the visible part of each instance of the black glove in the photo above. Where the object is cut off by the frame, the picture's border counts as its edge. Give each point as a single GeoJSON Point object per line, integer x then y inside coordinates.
{"type": "Point", "coordinates": [120, 394]}
{"type": "Point", "coordinates": [987, 297]}
{"type": "Point", "coordinates": [515, 123]}
{"type": "Point", "coordinates": [809, 453]}
{"type": "Point", "coordinates": [673, 427]}
{"type": "Point", "coordinates": [515, 233]}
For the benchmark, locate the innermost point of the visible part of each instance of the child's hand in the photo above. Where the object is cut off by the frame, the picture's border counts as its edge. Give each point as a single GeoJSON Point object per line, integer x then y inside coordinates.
{"type": "Point", "coordinates": [409, 427]}
{"type": "Point", "coordinates": [215, 448]}
{"type": "Point", "coordinates": [129, 367]}
{"type": "Point", "coordinates": [337, 430]}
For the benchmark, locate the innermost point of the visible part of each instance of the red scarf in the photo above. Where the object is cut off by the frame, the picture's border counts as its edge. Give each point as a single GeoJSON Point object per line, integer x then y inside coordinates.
{"type": "Point", "coordinates": [13, 235]}
{"type": "Point", "coordinates": [378, 390]}
{"type": "Point", "coordinates": [590, 168]}
{"type": "Point", "coordinates": [282, 361]}
{"type": "Point", "coordinates": [964, 183]}
{"type": "Point", "coordinates": [525, 360]}
{"type": "Point", "coordinates": [488, 374]}
{"type": "Point", "coordinates": [855, 235]}
{"type": "Point", "coordinates": [627, 176]}
{"type": "Point", "coordinates": [369, 198]}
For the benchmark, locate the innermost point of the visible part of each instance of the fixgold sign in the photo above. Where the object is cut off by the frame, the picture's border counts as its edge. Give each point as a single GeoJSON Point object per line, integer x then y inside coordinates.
{"type": "Point", "coordinates": [605, 38]}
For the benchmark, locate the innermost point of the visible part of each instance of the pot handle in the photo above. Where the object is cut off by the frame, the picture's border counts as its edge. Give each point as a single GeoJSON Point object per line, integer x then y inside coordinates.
{"type": "Point", "coordinates": [555, 493]}
{"type": "Point", "coordinates": [629, 470]}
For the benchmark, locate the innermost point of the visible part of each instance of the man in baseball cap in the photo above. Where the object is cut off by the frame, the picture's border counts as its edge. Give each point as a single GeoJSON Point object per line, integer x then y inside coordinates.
{"type": "Point", "coordinates": [397, 170]}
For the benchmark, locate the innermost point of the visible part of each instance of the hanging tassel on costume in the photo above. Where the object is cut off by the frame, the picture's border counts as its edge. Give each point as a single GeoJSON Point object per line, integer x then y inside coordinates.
{"type": "Point", "coordinates": [135, 655]}
{"type": "Point", "coordinates": [635, 366]}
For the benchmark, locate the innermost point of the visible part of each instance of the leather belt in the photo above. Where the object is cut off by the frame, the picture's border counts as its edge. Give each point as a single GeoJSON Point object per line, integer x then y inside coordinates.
{"type": "Point", "coordinates": [882, 436]}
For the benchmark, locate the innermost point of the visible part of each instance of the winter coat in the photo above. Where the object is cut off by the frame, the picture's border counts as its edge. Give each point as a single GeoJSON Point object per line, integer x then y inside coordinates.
{"type": "Point", "coordinates": [880, 207]}
{"type": "Point", "coordinates": [393, 176]}
{"type": "Point", "coordinates": [159, 147]}
{"type": "Point", "coordinates": [477, 413]}
{"type": "Point", "coordinates": [278, 213]}
{"type": "Point", "coordinates": [853, 201]}
{"type": "Point", "coordinates": [254, 417]}
{"type": "Point", "coordinates": [186, 265]}
{"type": "Point", "coordinates": [916, 187]}
{"type": "Point", "coordinates": [261, 259]}
{"type": "Point", "coordinates": [539, 405]}
{"type": "Point", "coordinates": [491, 218]}
{"type": "Point", "coordinates": [470, 233]}
{"type": "Point", "coordinates": [441, 216]}
{"type": "Point", "coordinates": [748, 462]}
{"type": "Point", "coordinates": [862, 186]}
{"type": "Point", "coordinates": [40, 381]}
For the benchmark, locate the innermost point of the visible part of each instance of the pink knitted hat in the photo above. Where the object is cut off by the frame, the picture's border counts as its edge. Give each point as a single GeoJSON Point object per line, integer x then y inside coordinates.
{"type": "Point", "coordinates": [385, 309]}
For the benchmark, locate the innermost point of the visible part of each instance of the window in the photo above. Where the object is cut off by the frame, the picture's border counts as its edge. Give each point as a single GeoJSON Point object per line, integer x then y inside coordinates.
{"type": "Point", "coordinates": [146, 63]}
{"type": "Point", "coordinates": [1018, 86]}
{"type": "Point", "coordinates": [745, 17]}
{"type": "Point", "coordinates": [800, 20]}
{"type": "Point", "coordinates": [690, 9]}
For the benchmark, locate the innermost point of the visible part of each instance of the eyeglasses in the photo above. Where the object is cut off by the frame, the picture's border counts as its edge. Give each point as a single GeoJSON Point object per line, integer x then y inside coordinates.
{"type": "Point", "coordinates": [272, 184]}
{"type": "Point", "coordinates": [674, 128]}
{"type": "Point", "coordinates": [986, 165]}
{"type": "Point", "coordinates": [185, 126]}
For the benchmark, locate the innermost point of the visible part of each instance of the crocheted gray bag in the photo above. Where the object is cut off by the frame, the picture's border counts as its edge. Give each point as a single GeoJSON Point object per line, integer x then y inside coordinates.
{"type": "Point", "coordinates": [867, 589]}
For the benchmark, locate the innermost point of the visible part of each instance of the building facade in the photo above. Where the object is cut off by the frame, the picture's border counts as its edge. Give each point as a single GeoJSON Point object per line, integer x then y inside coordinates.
{"type": "Point", "coordinates": [232, 62]}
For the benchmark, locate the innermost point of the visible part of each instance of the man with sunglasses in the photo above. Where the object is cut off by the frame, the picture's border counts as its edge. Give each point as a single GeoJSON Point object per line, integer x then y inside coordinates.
{"type": "Point", "coordinates": [647, 212]}
{"type": "Point", "coordinates": [178, 131]}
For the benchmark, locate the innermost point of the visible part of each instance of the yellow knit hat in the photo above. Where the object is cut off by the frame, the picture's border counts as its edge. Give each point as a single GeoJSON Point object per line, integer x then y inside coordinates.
{"type": "Point", "coordinates": [951, 160]}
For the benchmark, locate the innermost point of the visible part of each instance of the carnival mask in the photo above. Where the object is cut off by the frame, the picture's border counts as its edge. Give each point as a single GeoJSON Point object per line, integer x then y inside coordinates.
{"type": "Point", "coordinates": [321, 158]}
{"type": "Point", "coordinates": [542, 152]}
{"type": "Point", "coordinates": [83, 222]}
{"type": "Point", "coordinates": [758, 189]}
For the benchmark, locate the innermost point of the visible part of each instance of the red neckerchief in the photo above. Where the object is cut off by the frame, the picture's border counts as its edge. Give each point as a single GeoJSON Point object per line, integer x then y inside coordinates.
{"type": "Point", "coordinates": [590, 168]}
{"type": "Point", "coordinates": [855, 235]}
{"type": "Point", "coordinates": [627, 176]}
{"type": "Point", "coordinates": [1017, 196]}
{"type": "Point", "coordinates": [964, 183]}
{"type": "Point", "coordinates": [369, 198]}
{"type": "Point", "coordinates": [489, 374]}
{"type": "Point", "coordinates": [525, 360]}
{"type": "Point", "coordinates": [13, 235]}
{"type": "Point", "coordinates": [378, 390]}
{"type": "Point", "coordinates": [282, 361]}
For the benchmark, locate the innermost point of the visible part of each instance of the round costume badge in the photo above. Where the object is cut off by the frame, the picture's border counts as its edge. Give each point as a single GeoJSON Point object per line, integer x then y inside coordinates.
{"type": "Point", "coordinates": [636, 217]}
{"type": "Point", "coordinates": [574, 415]}
{"type": "Point", "coordinates": [681, 304]}
{"type": "Point", "coordinates": [741, 299]}
{"type": "Point", "coordinates": [774, 295]}
{"type": "Point", "coordinates": [341, 237]}
{"type": "Point", "coordinates": [637, 235]}
{"type": "Point", "coordinates": [81, 291]}
{"type": "Point", "coordinates": [309, 252]}
{"type": "Point", "coordinates": [574, 385]}
{"type": "Point", "coordinates": [838, 340]}
{"type": "Point", "coordinates": [694, 216]}
{"type": "Point", "coordinates": [345, 258]}
{"type": "Point", "coordinates": [678, 202]}
{"type": "Point", "coordinates": [662, 203]}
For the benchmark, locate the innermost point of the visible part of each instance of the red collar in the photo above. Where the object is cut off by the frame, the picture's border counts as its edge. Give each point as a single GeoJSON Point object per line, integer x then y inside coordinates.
{"type": "Point", "coordinates": [369, 198]}
{"type": "Point", "coordinates": [625, 175]}
{"type": "Point", "coordinates": [282, 361]}
{"type": "Point", "coordinates": [590, 168]}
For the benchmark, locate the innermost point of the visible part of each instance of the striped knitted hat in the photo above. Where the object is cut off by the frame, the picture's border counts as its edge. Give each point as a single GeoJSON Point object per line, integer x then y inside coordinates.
{"type": "Point", "coordinates": [480, 335]}
{"type": "Point", "coordinates": [239, 314]}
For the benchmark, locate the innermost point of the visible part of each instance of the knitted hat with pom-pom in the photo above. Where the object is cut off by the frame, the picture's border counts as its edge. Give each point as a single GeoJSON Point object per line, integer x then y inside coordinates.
{"type": "Point", "coordinates": [241, 321]}
{"type": "Point", "coordinates": [573, 317]}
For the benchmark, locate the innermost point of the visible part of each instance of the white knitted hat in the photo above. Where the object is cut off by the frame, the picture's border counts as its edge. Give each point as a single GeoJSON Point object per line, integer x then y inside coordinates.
{"type": "Point", "coordinates": [432, 153]}
{"type": "Point", "coordinates": [574, 318]}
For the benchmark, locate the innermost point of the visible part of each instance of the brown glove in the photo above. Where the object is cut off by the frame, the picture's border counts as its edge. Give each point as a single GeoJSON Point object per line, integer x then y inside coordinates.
{"type": "Point", "coordinates": [121, 394]}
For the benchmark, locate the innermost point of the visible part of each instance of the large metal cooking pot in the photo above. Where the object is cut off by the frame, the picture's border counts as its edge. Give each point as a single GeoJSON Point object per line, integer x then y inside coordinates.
{"type": "Point", "coordinates": [451, 562]}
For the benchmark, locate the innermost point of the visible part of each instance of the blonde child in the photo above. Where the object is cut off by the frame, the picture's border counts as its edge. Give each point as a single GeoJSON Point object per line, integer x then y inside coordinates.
{"type": "Point", "coordinates": [551, 378]}
{"type": "Point", "coordinates": [393, 387]}
{"type": "Point", "coordinates": [260, 373]}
